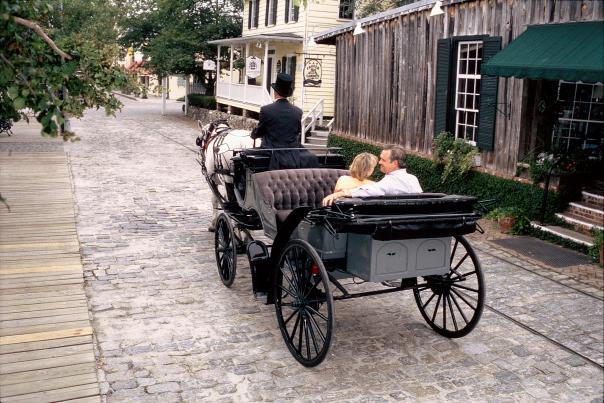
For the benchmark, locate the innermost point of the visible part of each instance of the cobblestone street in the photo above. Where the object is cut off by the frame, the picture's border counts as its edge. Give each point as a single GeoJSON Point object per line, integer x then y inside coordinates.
{"type": "Point", "coordinates": [166, 329]}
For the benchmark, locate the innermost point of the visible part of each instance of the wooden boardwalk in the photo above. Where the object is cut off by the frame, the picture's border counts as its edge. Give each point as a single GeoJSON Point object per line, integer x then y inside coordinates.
{"type": "Point", "coordinates": [46, 351]}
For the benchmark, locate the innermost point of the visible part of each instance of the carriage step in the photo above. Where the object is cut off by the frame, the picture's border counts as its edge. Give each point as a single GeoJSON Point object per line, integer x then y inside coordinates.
{"type": "Point", "coordinates": [259, 258]}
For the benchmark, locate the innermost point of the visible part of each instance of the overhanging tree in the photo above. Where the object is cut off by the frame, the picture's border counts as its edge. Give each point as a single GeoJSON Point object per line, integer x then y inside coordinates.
{"type": "Point", "coordinates": [47, 52]}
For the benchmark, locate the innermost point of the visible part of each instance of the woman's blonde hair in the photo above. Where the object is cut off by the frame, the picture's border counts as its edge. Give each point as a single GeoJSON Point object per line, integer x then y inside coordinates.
{"type": "Point", "coordinates": [360, 165]}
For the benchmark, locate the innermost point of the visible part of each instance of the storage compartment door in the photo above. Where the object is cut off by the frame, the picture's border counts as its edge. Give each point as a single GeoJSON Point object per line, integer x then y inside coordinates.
{"type": "Point", "coordinates": [433, 256]}
{"type": "Point", "coordinates": [391, 260]}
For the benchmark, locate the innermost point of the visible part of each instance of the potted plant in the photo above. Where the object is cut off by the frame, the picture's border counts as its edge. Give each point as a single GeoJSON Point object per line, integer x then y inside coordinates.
{"type": "Point", "coordinates": [511, 220]}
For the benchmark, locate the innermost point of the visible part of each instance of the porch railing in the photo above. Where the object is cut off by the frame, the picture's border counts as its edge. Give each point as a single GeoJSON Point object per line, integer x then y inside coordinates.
{"type": "Point", "coordinates": [315, 114]}
{"type": "Point", "coordinates": [249, 94]}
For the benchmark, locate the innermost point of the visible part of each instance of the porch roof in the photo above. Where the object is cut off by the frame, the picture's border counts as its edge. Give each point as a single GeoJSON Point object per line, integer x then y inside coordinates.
{"type": "Point", "coordinates": [281, 37]}
{"type": "Point", "coordinates": [570, 52]}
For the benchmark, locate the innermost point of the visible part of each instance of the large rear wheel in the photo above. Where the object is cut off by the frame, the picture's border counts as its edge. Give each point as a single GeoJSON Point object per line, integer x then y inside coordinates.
{"type": "Point", "coordinates": [452, 303]}
{"type": "Point", "coordinates": [304, 303]}
{"type": "Point", "coordinates": [226, 249]}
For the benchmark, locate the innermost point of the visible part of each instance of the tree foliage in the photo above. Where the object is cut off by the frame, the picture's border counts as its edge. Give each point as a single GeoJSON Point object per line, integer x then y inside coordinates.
{"type": "Point", "coordinates": [73, 72]}
{"type": "Point", "coordinates": [365, 8]}
{"type": "Point", "coordinates": [173, 35]}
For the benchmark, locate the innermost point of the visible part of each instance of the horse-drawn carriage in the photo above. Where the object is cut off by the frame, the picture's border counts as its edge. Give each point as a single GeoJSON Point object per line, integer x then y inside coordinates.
{"type": "Point", "coordinates": [417, 239]}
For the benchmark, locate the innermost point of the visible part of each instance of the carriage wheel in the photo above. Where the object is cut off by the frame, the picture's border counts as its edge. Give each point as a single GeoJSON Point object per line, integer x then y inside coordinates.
{"type": "Point", "coordinates": [304, 303]}
{"type": "Point", "coordinates": [226, 252]}
{"type": "Point", "coordinates": [452, 303]}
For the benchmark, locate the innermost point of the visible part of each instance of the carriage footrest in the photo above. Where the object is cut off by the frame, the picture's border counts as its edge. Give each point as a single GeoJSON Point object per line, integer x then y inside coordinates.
{"type": "Point", "coordinates": [259, 257]}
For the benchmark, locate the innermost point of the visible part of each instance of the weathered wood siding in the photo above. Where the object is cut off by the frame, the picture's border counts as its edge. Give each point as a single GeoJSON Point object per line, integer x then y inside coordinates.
{"type": "Point", "coordinates": [386, 76]}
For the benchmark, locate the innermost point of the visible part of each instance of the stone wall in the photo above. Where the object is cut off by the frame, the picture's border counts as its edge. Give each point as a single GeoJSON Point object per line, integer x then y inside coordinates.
{"type": "Point", "coordinates": [207, 115]}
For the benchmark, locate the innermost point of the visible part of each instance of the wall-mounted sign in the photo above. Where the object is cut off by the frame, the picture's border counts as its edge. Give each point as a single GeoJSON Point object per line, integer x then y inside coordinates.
{"type": "Point", "coordinates": [209, 65]}
{"type": "Point", "coordinates": [312, 73]}
{"type": "Point", "coordinates": [252, 66]}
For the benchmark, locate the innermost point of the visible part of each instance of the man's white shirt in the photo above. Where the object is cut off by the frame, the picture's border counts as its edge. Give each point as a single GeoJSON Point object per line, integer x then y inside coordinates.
{"type": "Point", "coordinates": [395, 183]}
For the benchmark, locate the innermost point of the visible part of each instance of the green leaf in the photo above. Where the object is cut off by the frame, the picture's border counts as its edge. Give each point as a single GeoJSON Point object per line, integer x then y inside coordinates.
{"type": "Point", "coordinates": [19, 103]}
{"type": "Point", "coordinates": [13, 92]}
{"type": "Point", "coordinates": [25, 92]}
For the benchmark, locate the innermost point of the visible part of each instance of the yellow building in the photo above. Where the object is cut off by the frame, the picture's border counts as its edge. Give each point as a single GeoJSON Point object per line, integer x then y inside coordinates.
{"type": "Point", "coordinates": [280, 35]}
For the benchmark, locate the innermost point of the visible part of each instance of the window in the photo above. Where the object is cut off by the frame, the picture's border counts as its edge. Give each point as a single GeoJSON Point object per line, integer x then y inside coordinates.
{"type": "Point", "coordinates": [291, 11]}
{"type": "Point", "coordinates": [467, 90]}
{"type": "Point", "coordinates": [346, 11]}
{"type": "Point", "coordinates": [465, 102]}
{"type": "Point", "coordinates": [271, 12]}
{"type": "Point", "coordinates": [288, 65]}
{"type": "Point", "coordinates": [580, 116]}
{"type": "Point", "coordinates": [252, 21]}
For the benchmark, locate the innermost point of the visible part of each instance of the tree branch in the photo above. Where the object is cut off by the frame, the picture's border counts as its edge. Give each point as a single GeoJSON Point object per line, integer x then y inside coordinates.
{"type": "Point", "coordinates": [36, 28]}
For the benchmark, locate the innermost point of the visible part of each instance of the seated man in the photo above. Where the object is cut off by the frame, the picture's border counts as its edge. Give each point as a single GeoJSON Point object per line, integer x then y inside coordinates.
{"type": "Point", "coordinates": [280, 125]}
{"type": "Point", "coordinates": [396, 180]}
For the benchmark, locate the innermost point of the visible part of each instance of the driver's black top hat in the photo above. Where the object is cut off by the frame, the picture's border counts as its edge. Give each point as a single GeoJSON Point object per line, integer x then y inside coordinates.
{"type": "Point", "coordinates": [284, 85]}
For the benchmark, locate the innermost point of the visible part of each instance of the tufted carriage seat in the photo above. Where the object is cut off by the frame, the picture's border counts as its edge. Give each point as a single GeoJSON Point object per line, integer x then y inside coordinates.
{"type": "Point", "coordinates": [279, 192]}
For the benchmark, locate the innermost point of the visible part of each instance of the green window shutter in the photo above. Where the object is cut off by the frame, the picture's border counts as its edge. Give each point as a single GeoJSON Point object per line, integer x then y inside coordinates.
{"type": "Point", "coordinates": [287, 10]}
{"type": "Point", "coordinates": [249, 15]}
{"type": "Point", "coordinates": [293, 70]}
{"type": "Point", "coordinates": [274, 19]}
{"type": "Point", "coordinates": [487, 111]}
{"type": "Point", "coordinates": [257, 5]}
{"type": "Point", "coordinates": [268, 3]}
{"type": "Point", "coordinates": [296, 12]}
{"type": "Point", "coordinates": [442, 94]}
{"type": "Point", "coordinates": [283, 65]}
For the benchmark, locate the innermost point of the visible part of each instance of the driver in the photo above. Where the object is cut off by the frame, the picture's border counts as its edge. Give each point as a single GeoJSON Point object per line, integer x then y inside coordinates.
{"type": "Point", "coordinates": [279, 126]}
{"type": "Point", "coordinates": [396, 180]}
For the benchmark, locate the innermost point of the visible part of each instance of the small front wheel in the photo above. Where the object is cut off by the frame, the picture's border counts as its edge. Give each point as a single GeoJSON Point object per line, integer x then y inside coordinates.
{"type": "Point", "coordinates": [452, 303]}
{"type": "Point", "coordinates": [304, 303]}
{"type": "Point", "coordinates": [226, 250]}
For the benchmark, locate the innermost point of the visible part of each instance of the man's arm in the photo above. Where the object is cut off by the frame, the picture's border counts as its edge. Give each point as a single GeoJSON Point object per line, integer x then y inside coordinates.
{"type": "Point", "coordinates": [260, 129]}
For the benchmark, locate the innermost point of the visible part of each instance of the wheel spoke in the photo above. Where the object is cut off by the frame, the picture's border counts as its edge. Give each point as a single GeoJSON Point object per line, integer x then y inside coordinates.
{"type": "Point", "coordinates": [314, 322]}
{"type": "Point", "coordinates": [293, 334]}
{"type": "Point", "coordinates": [319, 314]}
{"type": "Point", "coordinates": [287, 291]}
{"type": "Point", "coordinates": [461, 261]}
{"type": "Point", "coordinates": [463, 299]}
{"type": "Point", "coordinates": [312, 334]}
{"type": "Point", "coordinates": [307, 340]}
{"type": "Point", "coordinates": [314, 287]}
{"type": "Point", "coordinates": [464, 287]}
{"type": "Point", "coordinates": [291, 316]}
{"type": "Point", "coordinates": [453, 251]}
{"type": "Point", "coordinates": [452, 313]}
{"type": "Point", "coordinates": [436, 307]}
{"type": "Point", "coordinates": [427, 302]}
{"type": "Point", "coordinates": [299, 349]}
{"type": "Point", "coordinates": [445, 311]}
{"type": "Point", "coordinates": [459, 308]}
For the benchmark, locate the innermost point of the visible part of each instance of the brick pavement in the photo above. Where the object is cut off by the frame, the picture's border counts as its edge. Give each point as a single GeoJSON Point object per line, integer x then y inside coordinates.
{"type": "Point", "coordinates": [167, 330]}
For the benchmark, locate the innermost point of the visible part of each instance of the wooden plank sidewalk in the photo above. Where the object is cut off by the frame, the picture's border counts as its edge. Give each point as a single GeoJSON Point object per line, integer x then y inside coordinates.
{"type": "Point", "coordinates": [46, 352]}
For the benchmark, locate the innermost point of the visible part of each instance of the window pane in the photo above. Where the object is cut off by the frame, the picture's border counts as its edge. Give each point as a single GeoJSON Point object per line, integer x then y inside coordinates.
{"type": "Point", "coordinates": [597, 112]}
{"type": "Point", "coordinates": [463, 66]}
{"type": "Point", "coordinates": [470, 101]}
{"type": "Point", "coordinates": [595, 131]}
{"type": "Point", "coordinates": [472, 51]}
{"type": "Point", "coordinates": [566, 92]}
{"type": "Point", "coordinates": [581, 110]}
{"type": "Point", "coordinates": [460, 101]}
{"type": "Point", "coordinates": [462, 85]}
{"type": "Point", "coordinates": [584, 92]}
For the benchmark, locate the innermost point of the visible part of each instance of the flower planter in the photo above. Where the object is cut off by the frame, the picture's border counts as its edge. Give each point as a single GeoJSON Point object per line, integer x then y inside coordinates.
{"type": "Point", "coordinates": [506, 224]}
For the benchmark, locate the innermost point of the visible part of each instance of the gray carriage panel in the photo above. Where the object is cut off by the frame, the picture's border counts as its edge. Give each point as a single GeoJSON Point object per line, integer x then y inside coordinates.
{"type": "Point", "coordinates": [328, 245]}
{"type": "Point", "coordinates": [374, 260]}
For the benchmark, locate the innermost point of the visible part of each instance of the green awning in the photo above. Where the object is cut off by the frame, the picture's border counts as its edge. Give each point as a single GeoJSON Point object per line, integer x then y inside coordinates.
{"type": "Point", "coordinates": [570, 52]}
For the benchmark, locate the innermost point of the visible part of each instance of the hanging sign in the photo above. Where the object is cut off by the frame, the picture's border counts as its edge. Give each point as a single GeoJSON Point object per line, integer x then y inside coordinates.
{"type": "Point", "coordinates": [252, 66]}
{"type": "Point", "coordinates": [312, 73]}
{"type": "Point", "coordinates": [209, 65]}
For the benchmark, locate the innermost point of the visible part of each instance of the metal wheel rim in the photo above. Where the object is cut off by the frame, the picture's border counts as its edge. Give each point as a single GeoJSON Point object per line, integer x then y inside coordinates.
{"type": "Point", "coordinates": [226, 255]}
{"type": "Point", "coordinates": [303, 303]}
{"type": "Point", "coordinates": [452, 304]}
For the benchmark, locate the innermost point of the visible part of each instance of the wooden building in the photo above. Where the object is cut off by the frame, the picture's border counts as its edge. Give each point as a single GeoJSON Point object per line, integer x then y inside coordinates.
{"type": "Point", "coordinates": [410, 75]}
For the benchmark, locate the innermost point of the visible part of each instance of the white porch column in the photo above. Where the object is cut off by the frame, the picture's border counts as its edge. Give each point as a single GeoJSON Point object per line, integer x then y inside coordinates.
{"type": "Point", "coordinates": [265, 70]}
{"type": "Point", "coordinates": [187, 89]}
{"type": "Point", "coordinates": [163, 94]}
{"type": "Point", "coordinates": [231, 71]}
{"type": "Point", "coordinates": [217, 71]}
{"type": "Point", "coordinates": [247, 54]}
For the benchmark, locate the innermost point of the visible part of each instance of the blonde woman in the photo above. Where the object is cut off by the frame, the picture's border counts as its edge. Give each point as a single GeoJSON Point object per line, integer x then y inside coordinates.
{"type": "Point", "coordinates": [361, 168]}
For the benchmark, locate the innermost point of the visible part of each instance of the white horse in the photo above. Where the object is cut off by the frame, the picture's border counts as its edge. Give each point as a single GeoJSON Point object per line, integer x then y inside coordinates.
{"type": "Point", "coordinates": [217, 142]}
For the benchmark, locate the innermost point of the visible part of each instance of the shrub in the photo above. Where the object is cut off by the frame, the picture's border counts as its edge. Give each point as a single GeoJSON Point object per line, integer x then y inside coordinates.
{"type": "Point", "coordinates": [508, 193]}
{"type": "Point", "coordinates": [202, 101]}
{"type": "Point", "coordinates": [455, 155]}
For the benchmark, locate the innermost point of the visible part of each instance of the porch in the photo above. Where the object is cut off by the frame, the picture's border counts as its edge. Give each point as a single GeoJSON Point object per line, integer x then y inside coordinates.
{"type": "Point", "coordinates": [249, 90]}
